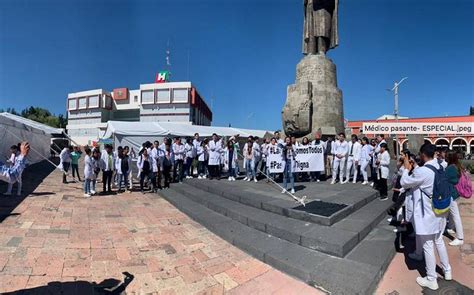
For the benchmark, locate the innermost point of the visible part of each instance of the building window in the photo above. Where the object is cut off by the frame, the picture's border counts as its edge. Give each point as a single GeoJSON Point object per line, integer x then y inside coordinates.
{"type": "Point", "coordinates": [72, 104]}
{"type": "Point", "coordinates": [94, 101]}
{"type": "Point", "coordinates": [82, 102]}
{"type": "Point", "coordinates": [148, 97]}
{"type": "Point", "coordinates": [135, 98]}
{"type": "Point", "coordinates": [163, 95]}
{"type": "Point", "coordinates": [180, 95]}
{"type": "Point", "coordinates": [108, 102]}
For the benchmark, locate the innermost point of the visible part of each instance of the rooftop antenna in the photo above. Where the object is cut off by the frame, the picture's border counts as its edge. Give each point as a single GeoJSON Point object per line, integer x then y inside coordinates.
{"type": "Point", "coordinates": [168, 56]}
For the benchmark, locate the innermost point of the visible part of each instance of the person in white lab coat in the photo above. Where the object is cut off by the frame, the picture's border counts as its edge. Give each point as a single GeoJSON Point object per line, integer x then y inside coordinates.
{"type": "Point", "coordinates": [179, 151]}
{"type": "Point", "coordinates": [65, 161]}
{"type": "Point", "coordinates": [365, 157]}
{"type": "Point", "coordinates": [230, 160]}
{"type": "Point", "coordinates": [317, 142]}
{"type": "Point", "coordinates": [188, 162]}
{"type": "Point", "coordinates": [107, 164]}
{"type": "Point", "coordinates": [383, 171]}
{"type": "Point", "coordinates": [202, 157]}
{"type": "Point", "coordinates": [339, 151]}
{"type": "Point", "coordinates": [214, 149]}
{"type": "Point", "coordinates": [353, 158]}
{"type": "Point", "coordinates": [428, 226]}
{"type": "Point", "coordinates": [13, 173]}
{"type": "Point", "coordinates": [379, 140]}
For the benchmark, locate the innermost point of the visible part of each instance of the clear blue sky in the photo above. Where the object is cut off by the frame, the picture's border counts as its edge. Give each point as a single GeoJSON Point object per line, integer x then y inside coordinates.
{"type": "Point", "coordinates": [242, 53]}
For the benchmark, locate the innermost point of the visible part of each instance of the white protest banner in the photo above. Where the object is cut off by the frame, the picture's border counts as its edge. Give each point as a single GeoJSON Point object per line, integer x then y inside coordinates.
{"type": "Point", "coordinates": [309, 158]}
{"type": "Point", "coordinates": [275, 161]}
{"type": "Point", "coordinates": [464, 128]}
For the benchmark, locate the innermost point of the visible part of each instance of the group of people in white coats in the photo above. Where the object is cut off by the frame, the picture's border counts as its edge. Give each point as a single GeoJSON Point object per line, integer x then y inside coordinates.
{"type": "Point", "coordinates": [419, 177]}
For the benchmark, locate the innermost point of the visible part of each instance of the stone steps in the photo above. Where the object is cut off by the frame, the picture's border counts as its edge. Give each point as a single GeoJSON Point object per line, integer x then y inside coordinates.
{"type": "Point", "coordinates": [284, 207]}
{"type": "Point", "coordinates": [357, 273]}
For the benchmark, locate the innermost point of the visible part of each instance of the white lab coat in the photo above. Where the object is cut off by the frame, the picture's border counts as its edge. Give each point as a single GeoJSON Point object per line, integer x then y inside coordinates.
{"type": "Point", "coordinates": [151, 160]}
{"type": "Point", "coordinates": [104, 161]}
{"type": "Point", "coordinates": [376, 151]}
{"type": "Point", "coordinates": [201, 153]}
{"type": "Point", "coordinates": [118, 164]}
{"type": "Point", "coordinates": [214, 149]}
{"type": "Point", "coordinates": [179, 151]}
{"type": "Point", "coordinates": [366, 153]}
{"type": "Point", "coordinates": [196, 145]}
{"type": "Point", "coordinates": [384, 162]}
{"type": "Point", "coordinates": [426, 223]}
{"type": "Point", "coordinates": [339, 148]}
{"type": "Point", "coordinates": [89, 165]}
{"type": "Point", "coordinates": [233, 162]}
{"type": "Point", "coordinates": [356, 151]}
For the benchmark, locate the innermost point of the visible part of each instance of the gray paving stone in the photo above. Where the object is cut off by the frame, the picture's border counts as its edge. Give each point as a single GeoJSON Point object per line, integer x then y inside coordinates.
{"type": "Point", "coordinates": [14, 242]}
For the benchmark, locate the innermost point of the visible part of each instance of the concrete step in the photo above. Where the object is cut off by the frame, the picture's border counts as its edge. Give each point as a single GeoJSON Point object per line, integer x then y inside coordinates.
{"type": "Point", "coordinates": [284, 206]}
{"type": "Point", "coordinates": [333, 241]}
{"type": "Point", "coordinates": [338, 275]}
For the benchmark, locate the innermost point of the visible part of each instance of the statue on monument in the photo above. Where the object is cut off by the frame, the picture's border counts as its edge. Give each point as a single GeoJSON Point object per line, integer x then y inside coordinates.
{"type": "Point", "coordinates": [320, 26]}
{"type": "Point", "coordinates": [314, 102]}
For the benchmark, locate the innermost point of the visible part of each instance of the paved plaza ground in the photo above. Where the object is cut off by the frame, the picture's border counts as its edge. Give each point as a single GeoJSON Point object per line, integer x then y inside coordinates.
{"type": "Point", "coordinates": [56, 236]}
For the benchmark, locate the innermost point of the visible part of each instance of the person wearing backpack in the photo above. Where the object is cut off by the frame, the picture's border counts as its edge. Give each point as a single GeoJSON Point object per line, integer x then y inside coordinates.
{"type": "Point", "coordinates": [453, 173]}
{"type": "Point", "coordinates": [427, 186]}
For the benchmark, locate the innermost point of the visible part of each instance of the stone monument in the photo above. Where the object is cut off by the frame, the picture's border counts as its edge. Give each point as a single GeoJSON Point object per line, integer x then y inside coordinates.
{"type": "Point", "coordinates": [314, 102]}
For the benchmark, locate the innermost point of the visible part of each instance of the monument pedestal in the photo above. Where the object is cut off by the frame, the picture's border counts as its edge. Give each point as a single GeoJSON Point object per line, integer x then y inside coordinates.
{"type": "Point", "coordinates": [314, 102]}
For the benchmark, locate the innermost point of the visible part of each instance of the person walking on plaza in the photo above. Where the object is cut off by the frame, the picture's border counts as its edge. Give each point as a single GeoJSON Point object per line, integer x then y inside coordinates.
{"type": "Point", "coordinates": [65, 161]}
{"type": "Point", "coordinates": [75, 155]}
{"type": "Point", "coordinates": [353, 158]}
{"type": "Point", "coordinates": [429, 226]}
{"type": "Point", "coordinates": [14, 150]}
{"type": "Point", "coordinates": [454, 171]}
{"type": "Point", "coordinates": [290, 165]}
{"type": "Point", "coordinates": [339, 152]}
{"type": "Point", "coordinates": [108, 163]}
{"type": "Point", "coordinates": [383, 162]}
{"type": "Point", "coordinates": [88, 172]}
{"type": "Point", "coordinates": [365, 158]}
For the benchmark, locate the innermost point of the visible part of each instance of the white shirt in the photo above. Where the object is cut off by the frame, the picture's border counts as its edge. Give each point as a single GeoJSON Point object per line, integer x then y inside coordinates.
{"type": "Point", "coordinates": [214, 149]}
{"type": "Point", "coordinates": [179, 151]}
{"type": "Point", "coordinates": [189, 149]}
{"type": "Point", "coordinates": [104, 158]}
{"type": "Point", "coordinates": [65, 156]}
{"type": "Point", "coordinates": [340, 148]}
{"type": "Point", "coordinates": [424, 218]}
{"type": "Point", "coordinates": [196, 144]}
{"type": "Point", "coordinates": [366, 153]}
{"type": "Point", "coordinates": [384, 162]}
{"type": "Point", "coordinates": [356, 150]}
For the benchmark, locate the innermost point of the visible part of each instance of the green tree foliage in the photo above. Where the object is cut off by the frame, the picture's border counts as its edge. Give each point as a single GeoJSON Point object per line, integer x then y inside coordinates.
{"type": "Point", "coordinates": [40, 115]}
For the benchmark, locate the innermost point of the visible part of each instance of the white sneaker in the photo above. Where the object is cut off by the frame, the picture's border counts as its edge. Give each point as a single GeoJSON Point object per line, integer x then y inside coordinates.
{"type": "Point", "coordinates": [415, 256]}
{"type": "Point", "coordinates": [249, 179]}
{"type": "Point", "coordinates": [342, 182]}
{"type": "Point", "coordinates": [233, 178]}
{"type": "Point", "coordinates": [448, 275]}
{"type": "Point", "coordinates": [199, 177]}
{"type": "Point", "coordinates": [245, 178]}
{"type": "Point", "coordinates": [365, 183]}
{"type": "Point", "coordinates": [87, 195]}
{"type": "Point", "coordinates": [317, 180]}
{"type": "Point", "coordinates": [255, 179]}
{"type": "Point", "coordinates": [229, 179]}
{"type": "Point", "coordinates": [456, 242]}
{"type": "Point", "coordinates": [371, 184]}
{"type": "Point", "coordinates": [292, 190]}
{"type": "Point", "coordinates": [333, 181]}
{"type": "Point", "coordinates": [424, 282]}
{"type": "Point", "coordinates": [283, 191]}
{"type": "Point", "coordinates": [451, 231]}
{"type": "Point", "coordinates": [204, 177]}
{"type": "Point", "coordinates": [389, 219]}
{"type": "Point", "coordinates": [354, 181]}
{"type": "Point", "coordinates": [93, 192]}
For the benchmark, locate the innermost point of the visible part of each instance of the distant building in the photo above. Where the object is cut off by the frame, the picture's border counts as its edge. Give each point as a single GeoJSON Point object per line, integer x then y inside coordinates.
{"type": "Point", "coordinates": [463, 142]}
{"type": "Point", "coordinates": [88, 111]}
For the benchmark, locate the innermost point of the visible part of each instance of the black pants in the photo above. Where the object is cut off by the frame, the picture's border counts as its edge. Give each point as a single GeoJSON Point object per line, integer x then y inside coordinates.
{"type": "Point", "coordinates": [178, 172]}
{"type": "Point", "coordinates": [158, 177]}
{"type": "Point", "coordinates": [107, 181]}
{"type": "Point", "coordinates": [75, 170]}
{"type": "Point", "coordinates": [213, 171]}
{"type": "Point", "coordinates": [150, 176]}
{"type": "Point", "coordinates": [167, 175]}
{"type": "Point", "coordinates": [382, 187]}
{"type": "Point", "coordinates": [66, 169]}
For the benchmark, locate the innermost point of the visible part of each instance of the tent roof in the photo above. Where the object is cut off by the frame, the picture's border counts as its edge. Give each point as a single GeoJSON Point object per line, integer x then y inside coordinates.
{"type": "Point", "coordinates": [18, 121]}
{"type": "Point", "coordinates": [173, 129]}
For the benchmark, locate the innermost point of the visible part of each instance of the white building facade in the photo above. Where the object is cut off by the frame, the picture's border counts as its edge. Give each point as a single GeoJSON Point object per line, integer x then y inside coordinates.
{"type": "Point", "coordinates": [89, 111]}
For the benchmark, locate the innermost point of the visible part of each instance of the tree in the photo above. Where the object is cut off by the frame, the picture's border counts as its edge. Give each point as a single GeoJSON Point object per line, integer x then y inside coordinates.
{"type": "Point", "coordinates": [472, 111]}
{"type": "Point", "coordinates": [40, 115]}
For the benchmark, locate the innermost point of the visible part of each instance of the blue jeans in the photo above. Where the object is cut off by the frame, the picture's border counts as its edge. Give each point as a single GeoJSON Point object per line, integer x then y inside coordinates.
{"type": "Point", "coordinates": [188, 167]}
{"type": "Point", "coordinates": [87, 186]}
{"type": "Point", "coordinates": [288, 174]}
{"type": "Point", "coordinates": [250, 168]}
{"type": "Point", "coordinates": [232, 172]}
{"type": "Point", "coordinates": [122, 178]}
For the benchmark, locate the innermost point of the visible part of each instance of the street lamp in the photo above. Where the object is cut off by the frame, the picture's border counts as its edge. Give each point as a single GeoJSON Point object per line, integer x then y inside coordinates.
{"type": "Point", "coordinates": [395, 94]}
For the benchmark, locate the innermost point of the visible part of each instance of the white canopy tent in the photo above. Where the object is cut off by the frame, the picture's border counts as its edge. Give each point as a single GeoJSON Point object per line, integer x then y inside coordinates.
{"type": "Point", "coordinates": [135, 133]}
{"type": "Point", "coordinates": [14, 129]}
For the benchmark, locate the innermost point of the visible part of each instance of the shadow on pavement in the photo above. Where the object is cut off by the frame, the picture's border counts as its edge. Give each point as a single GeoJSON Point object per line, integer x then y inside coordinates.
{"type": "Point", "coordinates": [449, 288]}
{"type": "Point", "coordinates": [32, 177]}
{"type": "Point", "coordinates": [108, 286]}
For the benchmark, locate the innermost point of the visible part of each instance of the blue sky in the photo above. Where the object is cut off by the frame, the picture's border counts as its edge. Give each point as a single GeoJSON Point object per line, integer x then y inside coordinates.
{"type": "Point", "coordinates": [242, 53]}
